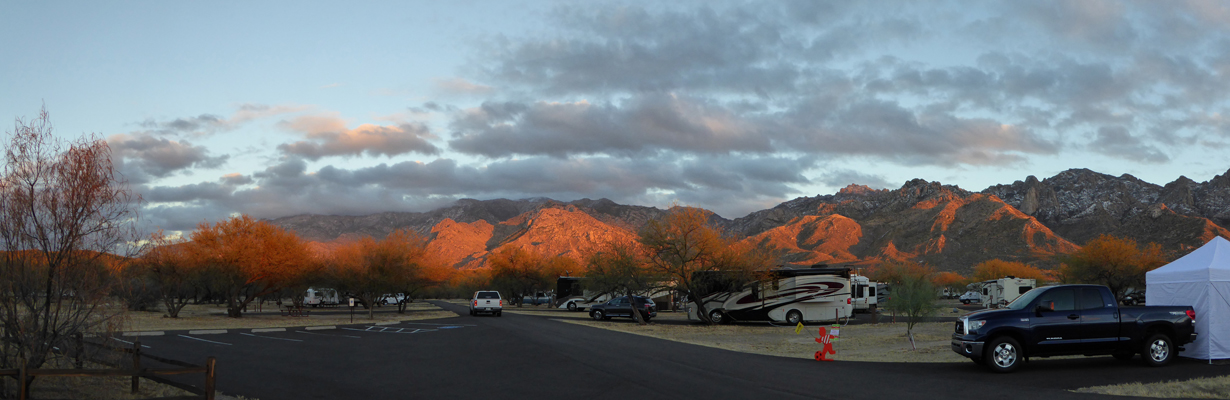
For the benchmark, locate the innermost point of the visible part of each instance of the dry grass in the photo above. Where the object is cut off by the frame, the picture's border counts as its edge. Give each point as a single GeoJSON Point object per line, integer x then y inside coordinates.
{"type": "Point", "coordinates": [102, 387]}
{"type": "Point", "coordinates": [214, 317]}
{"type": "Point", "coordinates": [881, 343]}
{"type": "Point", "coordinates": [1200, 388]}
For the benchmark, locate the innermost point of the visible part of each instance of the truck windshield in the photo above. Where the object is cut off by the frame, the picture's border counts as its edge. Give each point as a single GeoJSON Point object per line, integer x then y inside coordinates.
{"type": "Point", "coordinates": [1021, 302]}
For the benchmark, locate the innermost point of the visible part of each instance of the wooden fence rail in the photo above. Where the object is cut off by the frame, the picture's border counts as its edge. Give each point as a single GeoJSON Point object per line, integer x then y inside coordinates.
{"type": "Point", "coordinates": [136, 372]}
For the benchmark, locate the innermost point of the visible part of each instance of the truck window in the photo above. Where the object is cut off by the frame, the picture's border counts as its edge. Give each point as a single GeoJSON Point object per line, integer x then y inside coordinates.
{"type": "Point", "coordinates": [488, 295]}
{"type": "Point", "coordinates": [1064, 298]}
{"type": "Point", "coordinates": [1091, 298]}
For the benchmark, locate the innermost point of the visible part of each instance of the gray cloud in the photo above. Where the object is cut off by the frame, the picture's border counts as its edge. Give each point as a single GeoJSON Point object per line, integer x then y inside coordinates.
{"type": "Point", "coordinates": [328, 136]}
{"type": "Point", "coordinates": [1115, 141]}
{"type": "Point", "coordinates": [142, 157]}
{"type": "Point", "coordinates": [845, 177]}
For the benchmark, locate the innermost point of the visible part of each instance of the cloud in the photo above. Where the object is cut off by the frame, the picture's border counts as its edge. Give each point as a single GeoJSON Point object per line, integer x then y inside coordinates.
{"type": "Point", "coordinates": [461, 86]}
{"type": "Point", "coordinates": [208, 124]}
{"type": "Point", "coordinates": [840, 178]}
{"type": "Point", "coordinates": [329, 136]}
{"type": "Point", "coordinates": [142, 157]}
{"type": "Point", "coordinates": [1115, 141]}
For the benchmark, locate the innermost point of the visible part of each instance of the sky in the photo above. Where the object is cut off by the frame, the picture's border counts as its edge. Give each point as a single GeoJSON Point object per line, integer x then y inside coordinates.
{"type": "Point", "coordinates": [272, 109]}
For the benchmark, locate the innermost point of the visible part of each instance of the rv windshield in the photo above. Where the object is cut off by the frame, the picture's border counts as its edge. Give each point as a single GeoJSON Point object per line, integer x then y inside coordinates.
{"type": "Point", "coordinates": [1021, 302]}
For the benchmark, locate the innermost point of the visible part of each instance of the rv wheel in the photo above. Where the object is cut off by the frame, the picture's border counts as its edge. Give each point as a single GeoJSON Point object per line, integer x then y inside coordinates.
{"type": "Point", "coordinates": [717, 317]}
{"type": "Point", "coordinates": [794, 317]}
{"type": "Point", "coordinates": [572, 306]}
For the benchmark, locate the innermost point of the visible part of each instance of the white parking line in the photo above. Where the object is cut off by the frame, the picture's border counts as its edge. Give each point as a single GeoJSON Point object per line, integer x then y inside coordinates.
{"type": "Point", "coordinates": [125, 341]}
{"type": "Point", "coordinates": [326, 334]}
{"type": "Point", "coordinates": [270, 337]}
{"type": "Point", "coordinates": [203, 340]}
{"type": "Point", "coordinates": [389, 330]}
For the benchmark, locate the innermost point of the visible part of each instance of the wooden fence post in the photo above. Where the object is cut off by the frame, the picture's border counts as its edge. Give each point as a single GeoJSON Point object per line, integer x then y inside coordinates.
{"type": "Point", "coordinates": [79, 360]}
{"type": "Point", "coordinates": [210, 364]}
{"type": "Point", "coordinates": [23, 389]}
{"type": "Point", "coordinates": [136, 365]}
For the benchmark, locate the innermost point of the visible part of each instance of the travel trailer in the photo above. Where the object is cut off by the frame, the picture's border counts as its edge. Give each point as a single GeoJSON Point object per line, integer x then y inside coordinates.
{"type": "Point", "coordinates": [317, 297]}
{"type": "Point", "coordinates": [570, 294]}
{"type": "Point", "coordinates": [786, 296]}
{"type": "Point", "coordinates": [998, 293]}
{"type": "Point", "coordinates": [863, 292]}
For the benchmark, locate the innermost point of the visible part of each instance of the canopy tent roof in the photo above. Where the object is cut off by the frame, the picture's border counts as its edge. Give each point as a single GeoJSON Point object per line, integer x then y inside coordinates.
{"type": "Point", "coordinates": [1200, 279]}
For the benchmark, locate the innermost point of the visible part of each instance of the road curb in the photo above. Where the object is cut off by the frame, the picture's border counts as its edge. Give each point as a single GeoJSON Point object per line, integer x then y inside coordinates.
{"type": "Point", "coordinates": [262, 330]}
{"type": "Point", "coordinates": [319, 328]}
{"type": "Point", "coordinates": [147, 333]}
{"type": "Point", "coordinates": [387, 323]}
{"type": "Point", "coordinates": [207, 332]}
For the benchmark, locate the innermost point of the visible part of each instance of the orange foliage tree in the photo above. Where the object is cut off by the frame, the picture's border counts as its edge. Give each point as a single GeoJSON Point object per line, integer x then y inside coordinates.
{"type": "Point", "coordinates": [519, 272]}
{"type": "Point", "coordinates": [248, 258]}
{"type": "Point", "coordinates": [683, 243]}
{"type": "Point", "coordinates": [996, 269]}
{"type": "Point", "coordinates": [1118, 263]}
{"type": "Point", "coordinates": [949, 279]}
{"type": "Point", "coordinates": [399, 263]}
{"type": "Point", "coordinates": [64, 210]}
{"type": "Point", "coordinates": [176, 278]}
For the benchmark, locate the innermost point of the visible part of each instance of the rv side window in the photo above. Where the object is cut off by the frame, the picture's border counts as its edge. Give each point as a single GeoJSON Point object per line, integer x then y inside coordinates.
{"type": "Point", "coordinates": [871, 291]}
{"type": "Point", "coordinates": [985, 291]}
{"type": "Point", "coordinates": [1023, 289]}
{"type": "Point", "coordinates": [756, 292]}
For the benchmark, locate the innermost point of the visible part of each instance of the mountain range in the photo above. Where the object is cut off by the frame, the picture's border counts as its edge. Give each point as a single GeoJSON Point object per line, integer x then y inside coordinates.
{"type": "Point", "coordinates": [950, 228]}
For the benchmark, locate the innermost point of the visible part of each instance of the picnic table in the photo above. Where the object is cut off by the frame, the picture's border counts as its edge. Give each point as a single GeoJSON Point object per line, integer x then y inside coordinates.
{"type": "Point", "coordinates": [293, 311]}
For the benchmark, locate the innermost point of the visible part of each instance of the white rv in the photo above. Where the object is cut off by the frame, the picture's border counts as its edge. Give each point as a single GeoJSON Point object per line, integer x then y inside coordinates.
{"type": "Point", "coordinates": [998, 293]}
{"type": "Point", "coordinates": [787, 296]}
{"type": "Point", "coordinates": [317, 297]}
{"type": "Point", "coordinates": [863, 292]}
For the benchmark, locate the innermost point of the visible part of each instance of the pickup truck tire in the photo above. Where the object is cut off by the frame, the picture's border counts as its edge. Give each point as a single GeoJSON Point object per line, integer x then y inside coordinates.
{"type": "Point", "coordinates": [794, 317]}
{"type": "Point", "coordinates": [1158, 350]}
{"type": "Point", "coordinates": [1003, 354]}
{"type": "Point", "coordinates": [499, 313]}
{"type": "Point", "coordinates": [572, 306]}
{"type": "Point", "coordinates": [597, 315]}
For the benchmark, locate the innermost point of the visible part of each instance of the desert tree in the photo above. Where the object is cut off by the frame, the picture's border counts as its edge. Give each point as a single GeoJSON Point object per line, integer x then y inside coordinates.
{"type": "Point", "coordinates": [517, 272]}
{"type": "Point", "coordinates": [246, 259]}
{"type": "Point", "coordinates": [167, 264]}
{"type": "Point", "coordinates": [66, 217]}
{"type": "Point", "coordinates": [416, 268]}
{"type": "Point", "coordinates": [368, 268]}
{"type": "Point", "coordinates": [683, 243]}
{"type": "Point", "coordinates": [913, 292]}
{"type": "Point", "coordinates": [996, 268]}
{"type": "Point", "coordinates": [621, 270]}
{"type": "Point", "coordinates": [1118, 263]}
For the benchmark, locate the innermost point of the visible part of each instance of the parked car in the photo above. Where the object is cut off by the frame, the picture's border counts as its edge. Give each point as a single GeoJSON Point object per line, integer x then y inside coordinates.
{"type": "Point", "coordinates": [486, 302]}
{"type": "Point", "coordinates": [1134, 298]}
{"type": "Point", "coordinates": [971, 297]}
{"type": "Point", "coordinates": [621, 307]}
{"type": "Point", "coordinates": [394, 299]}
{"type": "Point", "coordinates": [1072, 320]}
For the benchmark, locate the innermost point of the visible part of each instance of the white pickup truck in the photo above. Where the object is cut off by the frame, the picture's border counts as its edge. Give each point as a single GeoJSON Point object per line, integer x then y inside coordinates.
{"type": "Point", "coordinates": [486, 301]}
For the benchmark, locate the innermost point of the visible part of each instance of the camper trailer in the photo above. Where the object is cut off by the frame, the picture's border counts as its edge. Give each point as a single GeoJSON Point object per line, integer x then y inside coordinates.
{"type": "Point", "coordinates": [998, 293]}
{"type": "Point", "coordinates": [570, 294]}
{"type": "Point", "coordinates": [785, 296]}
{"type": "Point", "coordinates": [863, 294]}
{"type": "Point", "coordinates": [317, 297]}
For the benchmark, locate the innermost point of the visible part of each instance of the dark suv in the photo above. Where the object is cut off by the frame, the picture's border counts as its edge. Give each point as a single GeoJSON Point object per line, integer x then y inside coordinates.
{"type": "Point", "coordinates": [621, 307]}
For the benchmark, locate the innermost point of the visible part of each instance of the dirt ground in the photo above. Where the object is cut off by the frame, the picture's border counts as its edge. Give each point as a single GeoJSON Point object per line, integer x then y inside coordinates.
{"type": "Point", "coordinates": [214, 317]}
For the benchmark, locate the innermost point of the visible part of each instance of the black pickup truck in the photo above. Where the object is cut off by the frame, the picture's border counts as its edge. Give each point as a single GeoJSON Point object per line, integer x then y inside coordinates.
{"type": "Point", "coordinates": [1072, 320]}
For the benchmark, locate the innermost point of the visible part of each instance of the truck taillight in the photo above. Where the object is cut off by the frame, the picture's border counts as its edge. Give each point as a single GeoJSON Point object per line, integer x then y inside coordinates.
{"type": "Point", "coordinates": [501, 302]}
{"type": "Point", "coordinates": [1191, 314]}
{"type": "Point", "coordinates": [476, 303]}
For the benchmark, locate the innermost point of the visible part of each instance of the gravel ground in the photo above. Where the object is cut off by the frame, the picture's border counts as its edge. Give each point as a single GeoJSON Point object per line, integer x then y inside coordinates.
{"type": "Point", "coordinates": [214, 317]}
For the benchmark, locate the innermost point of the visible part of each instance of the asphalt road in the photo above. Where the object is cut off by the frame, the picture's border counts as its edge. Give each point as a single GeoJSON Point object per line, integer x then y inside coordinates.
{"type": "Point", "coordinates": [521, 356]}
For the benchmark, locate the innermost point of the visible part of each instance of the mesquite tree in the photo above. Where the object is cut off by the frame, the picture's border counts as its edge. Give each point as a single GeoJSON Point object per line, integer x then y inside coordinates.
{"type": "Point", "coordinates": [66, 216]}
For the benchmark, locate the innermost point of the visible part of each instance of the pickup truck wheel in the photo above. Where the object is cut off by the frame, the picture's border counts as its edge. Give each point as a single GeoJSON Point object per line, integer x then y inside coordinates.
{"type": "Point", "coordinates": [572, 306]}
{"type": "Point", "coordinates": [1158, 351]}
{"type": "Point", "coordinates": [1003, 354]}
{"type": "Point", "coordinates": [597, 315]}
{"type": "Point", "coordinates": [794, 317]}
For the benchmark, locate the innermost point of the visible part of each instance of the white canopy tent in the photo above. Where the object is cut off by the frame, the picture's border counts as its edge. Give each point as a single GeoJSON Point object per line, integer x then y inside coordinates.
{"type": "Point", "coordinates": [1201, 280]}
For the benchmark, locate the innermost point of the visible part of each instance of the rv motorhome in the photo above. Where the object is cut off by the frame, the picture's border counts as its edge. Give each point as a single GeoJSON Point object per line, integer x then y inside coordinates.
{"type": "Point", "coordinates": [787, 295]}
{"type": "Point", "coordinates": [998, 293]}
{"type": "Point", "coordinates": [864, 294]}
{"type": "Point", "coordinates": [570, 294]}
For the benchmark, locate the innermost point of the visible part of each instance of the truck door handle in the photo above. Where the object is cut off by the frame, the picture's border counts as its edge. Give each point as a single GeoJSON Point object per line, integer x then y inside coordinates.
{"type": "Point", "coordinates": [1074, 316]}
